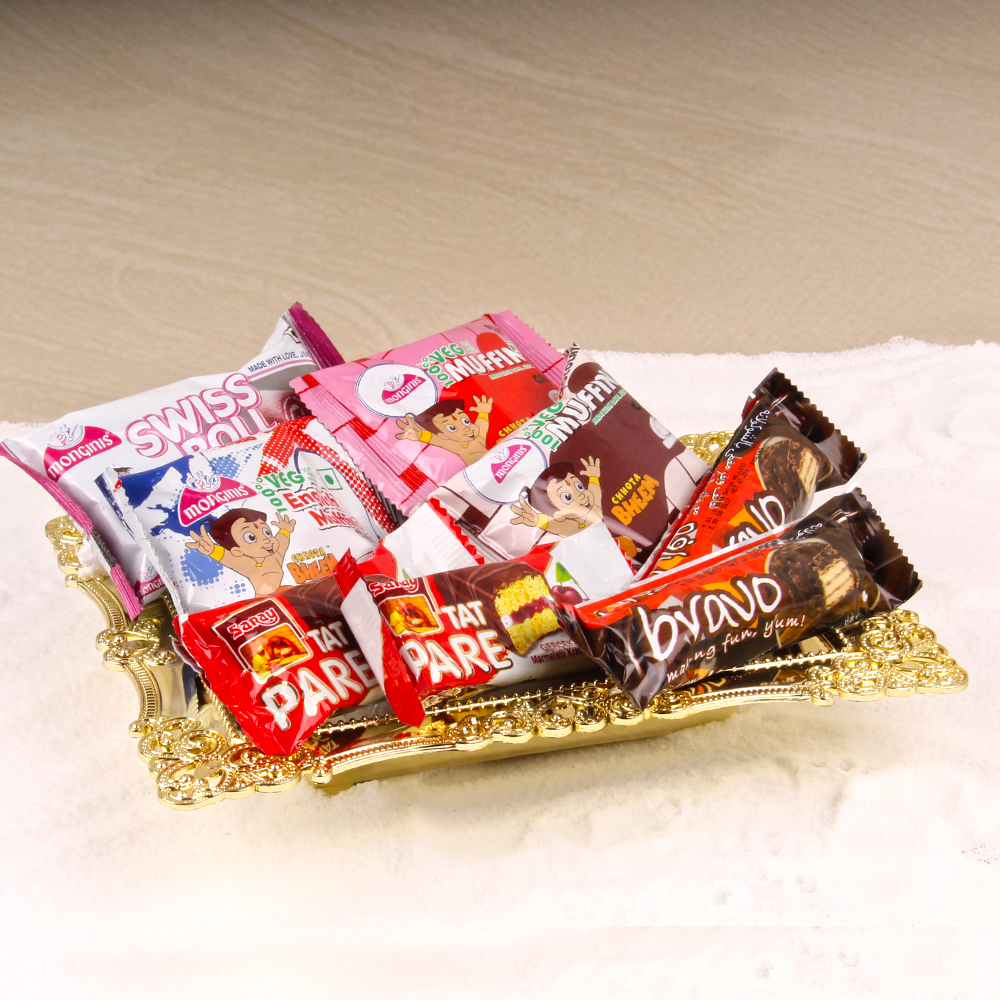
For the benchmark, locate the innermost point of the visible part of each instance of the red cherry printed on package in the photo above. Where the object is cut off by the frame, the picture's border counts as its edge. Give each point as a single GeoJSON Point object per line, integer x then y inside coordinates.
{"type": "Point", "coordinates": [281, 664]}
{"type": "Point", "coordinates": [767, 475]}
{"type": "Point", "coordinates": [414, 416]}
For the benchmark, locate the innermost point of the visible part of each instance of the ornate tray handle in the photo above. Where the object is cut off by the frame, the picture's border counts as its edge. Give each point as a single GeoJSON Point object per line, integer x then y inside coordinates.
{"type": "Point", "coordinates": [200, 759]}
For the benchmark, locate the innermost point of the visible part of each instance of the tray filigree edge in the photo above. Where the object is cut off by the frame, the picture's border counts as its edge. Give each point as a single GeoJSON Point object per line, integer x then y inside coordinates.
{"type": "Point", "coordinates": [194, 765]}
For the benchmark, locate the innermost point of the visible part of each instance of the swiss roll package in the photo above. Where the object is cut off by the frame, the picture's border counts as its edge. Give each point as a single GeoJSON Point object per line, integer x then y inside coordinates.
{"type": "Point", "coordinates": [834, 567]}
{"type": "Point", "coordinates": [270, 511]}
{"type": "Point", "coordinates": [283, 664]}
{"type": "Point", "coordinates": [69, 457]}
{"type": "Point", "coordinates": [767, 475]}
{"type": "Point", "coordinates": [594, 455]}
{"type": "Point", "coordinates": [414, 416]}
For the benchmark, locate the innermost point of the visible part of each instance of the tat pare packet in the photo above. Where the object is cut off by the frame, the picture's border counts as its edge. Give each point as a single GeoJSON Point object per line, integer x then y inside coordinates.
{"type": "Point", "coordinates": [593, 455]}
{"type": "Point", "coordinates": [69, 457]}
{"type": "Point", "coordinates": [283, 664]}
{"type": "Point", "coordinates": [413, 416]}
{"type": "Point", "coordinates": [454, 632]}
{"type": "Point", "coordinates": [242, 521]}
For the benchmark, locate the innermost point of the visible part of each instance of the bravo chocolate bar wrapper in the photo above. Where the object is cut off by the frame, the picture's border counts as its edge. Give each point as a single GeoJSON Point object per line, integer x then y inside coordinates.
{"type": "Point", "coordinates": [766, 476]}
{"type": "Point", "coordinates": [593, 455]}
{"type": "Point", "coordinates": [69, 457]}
{"type": "Point", "coordinates": [414, 416]}
{"type": "Point", "coordinates": [834, 567]}
{"type": "Point", "coordinates": [271, 511]}
{"type": "Point", "coordinates": [452, 633]}
{"type": "Point", "coordinates": [281, 664]}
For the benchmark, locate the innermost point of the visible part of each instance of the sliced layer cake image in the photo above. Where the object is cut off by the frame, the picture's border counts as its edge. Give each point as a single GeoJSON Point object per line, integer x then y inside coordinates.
{"type": "Point", "coordinates": [524, 609]}
{"type": "Point", "coordinates": [514, 597]}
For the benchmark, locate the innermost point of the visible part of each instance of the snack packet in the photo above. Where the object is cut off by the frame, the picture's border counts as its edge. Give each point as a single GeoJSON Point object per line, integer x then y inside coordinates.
{"type": "Point", "coordinates": [69, 457]}
{"type": "Point", "coordinates": [283, 664]}
{"type": "Point", "coordinates": [594, 455]}
{"type": "Point", "coordinates": [766, 476]}
{"type": "Point", "coordinates": [414, 416]}
{"type": "Point", "coordinates": [453, 633]}
{"type": "Point", "coordinates": [834, 567]}
{"type": "Point", "coordinates": [270, 511]}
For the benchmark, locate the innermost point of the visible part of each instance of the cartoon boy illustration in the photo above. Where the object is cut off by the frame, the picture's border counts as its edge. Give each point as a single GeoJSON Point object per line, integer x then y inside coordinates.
{"type": "Point", "coordinates": [558, 501]}
{"type": "Point", "coordinates": [448, 426]}
{"type": "Point", "coordinates": [242, 541]}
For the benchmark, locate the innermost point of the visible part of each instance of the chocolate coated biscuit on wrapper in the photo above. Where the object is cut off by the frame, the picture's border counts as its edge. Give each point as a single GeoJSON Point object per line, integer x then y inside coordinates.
{"type": "Point", "coordinates": [414, 416]}
{"type": "Point", "coordinates": [452, 633]}
{"type": "Point", "coordinates": [837, 566]}
{"type": "Point", "coordinates": [783, 452]}
{"type": "Point", "coordinates": [282, 664]}
{"type": "Point", "coordinates": [594, 455]}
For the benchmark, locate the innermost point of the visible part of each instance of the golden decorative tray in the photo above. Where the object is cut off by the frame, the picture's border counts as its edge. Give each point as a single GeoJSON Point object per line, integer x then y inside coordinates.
{"type": "Point", "coordinates": [197, 754]}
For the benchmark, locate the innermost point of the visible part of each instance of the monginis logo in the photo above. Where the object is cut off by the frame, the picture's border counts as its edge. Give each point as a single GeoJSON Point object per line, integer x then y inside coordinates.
{"type": "Point", "coordinates": [149, 581]}
{"type": "Point", "coordinates": [504, 459]}
{"type": "Point", "coordinates": [501, 475]}
{"type": "Point", "coordinates": [71, 445]}
{"type": "Point", "coordinates": [393, 390]}
{"type": "Point", "coordinates": [399, 387]}
{"type": "Point", "coordinates": [206, 492]}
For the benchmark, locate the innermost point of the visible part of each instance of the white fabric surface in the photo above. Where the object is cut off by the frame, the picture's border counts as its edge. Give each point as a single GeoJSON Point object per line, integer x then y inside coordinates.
{"type": "Point", "coordinates": [488, 879]}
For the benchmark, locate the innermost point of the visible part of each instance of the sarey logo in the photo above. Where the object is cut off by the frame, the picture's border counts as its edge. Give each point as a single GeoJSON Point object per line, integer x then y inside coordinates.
{"type": "Point", "coordinates": [393, 390]}
{"type": "Point", "coordinates": [69, 446]}
{"type": "Point", "coordinates": [204, 493]}
{"type": "Point", "coordinates": [377, 589]}
{"type": "Point", "coordinates": [262, 619]}
{"type": "Point", "coordinates": [398, 388]}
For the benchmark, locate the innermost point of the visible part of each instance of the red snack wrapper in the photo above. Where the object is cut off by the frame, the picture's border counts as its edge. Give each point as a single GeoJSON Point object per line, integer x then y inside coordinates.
{"type": "Point", "coordinates": [281, 664]}
{"type": "Point", "coordinates": [766, 476]}
{"type": "Point", "coordinates": [414, 416]}
{"type": "Point", "coordinates": [454, 632]}
{"type": "Point", "coordinates": [833, 568]}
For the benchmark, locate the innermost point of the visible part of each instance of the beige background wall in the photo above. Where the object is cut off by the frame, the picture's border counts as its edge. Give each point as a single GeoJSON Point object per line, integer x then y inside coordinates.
{"type": "Point", "coordinates": [687, 176]}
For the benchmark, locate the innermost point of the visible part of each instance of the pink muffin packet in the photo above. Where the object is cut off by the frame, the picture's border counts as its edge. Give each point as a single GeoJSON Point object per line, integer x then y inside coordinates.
{"type": "Point", "coordinates": [413, 417]}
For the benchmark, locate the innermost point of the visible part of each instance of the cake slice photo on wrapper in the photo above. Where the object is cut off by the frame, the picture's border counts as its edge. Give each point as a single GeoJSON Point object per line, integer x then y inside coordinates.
{"type": "Point", "coordinates": [454, 632]}
{"type": "Point", "coordinates": [523, 606]}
